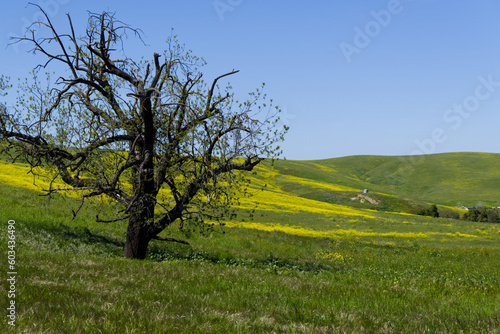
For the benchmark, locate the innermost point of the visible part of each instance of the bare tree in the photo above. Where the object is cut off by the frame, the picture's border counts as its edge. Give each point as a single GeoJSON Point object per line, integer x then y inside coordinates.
{"type": "Point", "coordinates": [151, 135]}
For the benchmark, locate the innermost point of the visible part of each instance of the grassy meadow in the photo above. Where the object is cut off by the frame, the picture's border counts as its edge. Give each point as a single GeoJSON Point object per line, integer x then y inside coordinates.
{"type": "Point", "coordinates": [314, 256]}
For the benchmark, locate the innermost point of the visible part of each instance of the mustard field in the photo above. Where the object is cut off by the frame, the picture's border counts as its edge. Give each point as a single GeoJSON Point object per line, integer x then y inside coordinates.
{"type": "Point", "coordinates": [304, 254]}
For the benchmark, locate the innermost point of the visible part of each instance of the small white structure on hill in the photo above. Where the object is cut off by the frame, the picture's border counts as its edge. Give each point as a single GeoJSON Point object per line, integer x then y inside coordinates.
{"type": "Point", "coordinates": [365, 191]}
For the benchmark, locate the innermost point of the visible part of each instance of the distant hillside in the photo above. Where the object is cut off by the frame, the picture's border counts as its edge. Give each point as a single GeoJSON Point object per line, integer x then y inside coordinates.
{"type": "Point", "coordinates": [445, 179]}
{"type": "Point", "coordinates": [395, 184]}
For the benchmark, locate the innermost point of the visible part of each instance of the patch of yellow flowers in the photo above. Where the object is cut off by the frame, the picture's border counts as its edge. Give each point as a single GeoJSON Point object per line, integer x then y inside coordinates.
{"type": "Point", "coordinates": [18, 175]}
{"type": "Point", "coordinates": [279, 201]}
{"type": "Point", "coordinates": [332, 256]}
{"type": "Point", "coordinates": [300, 231]}
{"type": "Point", "coordinates": [318, 185]}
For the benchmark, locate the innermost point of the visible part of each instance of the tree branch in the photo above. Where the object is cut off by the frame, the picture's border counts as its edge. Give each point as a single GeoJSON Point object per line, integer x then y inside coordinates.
{"type": "Point", "coordinates": [170, 239]}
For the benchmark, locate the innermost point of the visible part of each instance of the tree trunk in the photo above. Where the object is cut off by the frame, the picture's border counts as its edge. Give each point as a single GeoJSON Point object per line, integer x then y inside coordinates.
{"type": "Point", "coordinates": [136, 244]}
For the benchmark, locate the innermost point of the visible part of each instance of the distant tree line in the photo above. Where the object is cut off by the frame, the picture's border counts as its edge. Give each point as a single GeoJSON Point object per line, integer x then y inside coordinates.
{"type": "Point", "coordinates": [479, 214]}
{"type": "Point", "coordinates": [482, 214]}
{"type": "Point", "coordinates": [432, 211]}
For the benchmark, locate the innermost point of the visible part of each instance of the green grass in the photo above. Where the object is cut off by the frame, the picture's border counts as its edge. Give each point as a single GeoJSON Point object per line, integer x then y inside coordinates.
{"type": "Point", "coordinates": [78, 294]}
{"type": "Point", "coordinates": [72, 277]}
{"type": "Point", "coordinates": [440, 178]}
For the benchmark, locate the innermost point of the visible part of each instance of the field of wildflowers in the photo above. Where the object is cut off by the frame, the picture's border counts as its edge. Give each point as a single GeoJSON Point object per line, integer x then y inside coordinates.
{"type": "Point", "coordinates": [293, 265]}
{"type": "Point", "coordinates": [280, 201]}
{"type": "Point", "coordinates": [336, 233]}
{"type": "Point", "coordinates": [20, 175]}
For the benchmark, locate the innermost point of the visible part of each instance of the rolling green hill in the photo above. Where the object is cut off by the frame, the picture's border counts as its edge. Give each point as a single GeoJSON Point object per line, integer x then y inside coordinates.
{"type": "Point", "coordinates": [395, 183]}
{"type": "Point", "coordinates": [310, 259]}
{"type": "Point", "coordinates": [445, 179]}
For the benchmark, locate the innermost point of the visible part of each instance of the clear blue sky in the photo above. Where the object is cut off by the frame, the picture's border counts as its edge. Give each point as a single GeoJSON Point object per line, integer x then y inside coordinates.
{"type": "Point", "coordinates": [355, 77]}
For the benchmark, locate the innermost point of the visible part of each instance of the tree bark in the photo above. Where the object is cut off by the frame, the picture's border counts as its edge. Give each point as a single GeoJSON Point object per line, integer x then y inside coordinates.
{"type": "Point", "coordinates": [136, 244]}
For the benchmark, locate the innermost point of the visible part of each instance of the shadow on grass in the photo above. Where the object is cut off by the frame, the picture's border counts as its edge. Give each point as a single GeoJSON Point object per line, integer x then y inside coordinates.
{"type": "Point", "coordinates": [85, 241]}
{"type": "Point", "coordinates": [73, 239]}
{"type": "Point", "coordinates": [270, 263]}
{"type": "Point", "coordinates": [85, 235]}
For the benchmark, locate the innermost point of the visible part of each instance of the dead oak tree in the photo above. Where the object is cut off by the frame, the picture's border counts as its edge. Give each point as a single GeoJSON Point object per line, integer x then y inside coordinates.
{"type": "Point", "coordinates": [151, 135]}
